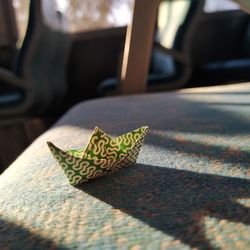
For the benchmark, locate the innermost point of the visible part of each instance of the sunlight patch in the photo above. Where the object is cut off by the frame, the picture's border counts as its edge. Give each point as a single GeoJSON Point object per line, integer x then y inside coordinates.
{"type": "Point", "coordinates": [224, 234]}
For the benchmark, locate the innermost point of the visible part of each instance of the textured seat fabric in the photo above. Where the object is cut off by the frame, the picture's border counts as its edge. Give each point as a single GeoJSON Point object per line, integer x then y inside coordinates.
{"type": "Point", "coordinates": [189, 189]}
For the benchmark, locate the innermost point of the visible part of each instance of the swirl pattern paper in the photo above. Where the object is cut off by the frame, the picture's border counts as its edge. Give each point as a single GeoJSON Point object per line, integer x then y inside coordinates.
{"type": "Point", "coordinates": [103, 155]}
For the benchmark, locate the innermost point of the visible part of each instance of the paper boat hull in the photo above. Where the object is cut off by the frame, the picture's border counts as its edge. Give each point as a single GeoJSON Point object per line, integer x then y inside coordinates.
{"type": "Point", "coordinates": [79, 170]}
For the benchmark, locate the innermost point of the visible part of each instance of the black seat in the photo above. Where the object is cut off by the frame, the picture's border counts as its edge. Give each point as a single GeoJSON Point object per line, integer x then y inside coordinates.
{"type": "Point", "coordinates": [9, 34]}
{"type": "Point", "coordinates": [170, 68]}
{"type": "Point", "coordinates": [38, 79]}
{"type": "Point", "coordinates": [220, 51]}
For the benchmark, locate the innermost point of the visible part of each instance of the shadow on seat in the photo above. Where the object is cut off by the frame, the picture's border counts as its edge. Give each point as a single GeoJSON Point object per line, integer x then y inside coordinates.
{"type": "Point", "coordinates": [13, 236]}
{"type": "Point", "coordinates": [152, 194]}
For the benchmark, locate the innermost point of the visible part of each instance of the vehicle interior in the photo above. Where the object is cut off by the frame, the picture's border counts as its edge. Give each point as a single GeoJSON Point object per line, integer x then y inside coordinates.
{"type": "Point", "coordinates": [180, 67]}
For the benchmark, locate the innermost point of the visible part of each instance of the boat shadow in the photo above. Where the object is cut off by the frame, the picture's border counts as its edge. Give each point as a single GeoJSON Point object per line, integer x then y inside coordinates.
{"type": "Point", "coordinates": [173, 201]}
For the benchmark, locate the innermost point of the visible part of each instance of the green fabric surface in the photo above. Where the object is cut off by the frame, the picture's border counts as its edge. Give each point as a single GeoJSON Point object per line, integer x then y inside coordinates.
{"type": "Point", "coordinates": [189, 189]}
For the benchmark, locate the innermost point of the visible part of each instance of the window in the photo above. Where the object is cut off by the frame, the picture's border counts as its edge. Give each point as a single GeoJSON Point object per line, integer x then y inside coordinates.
{"type": "Point", "coordinates": [95, 14]}
{"type": "Point", "coordinates": [220, 5]}
{"type": "Point", "coordinates": [171, 15]}
{"type": "Point", "coordinates": [21, 10]}
{"type": "Point", "coordinates": [81, 15]}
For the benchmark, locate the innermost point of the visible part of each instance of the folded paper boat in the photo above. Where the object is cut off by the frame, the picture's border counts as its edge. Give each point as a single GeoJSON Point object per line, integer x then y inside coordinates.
{"type": "Point", "coordinates": [103, 155]}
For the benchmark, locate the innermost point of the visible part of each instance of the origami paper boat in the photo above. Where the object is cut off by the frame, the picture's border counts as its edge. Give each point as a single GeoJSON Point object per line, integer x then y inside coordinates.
{"type": "Point", "coordinates": [103, 155]}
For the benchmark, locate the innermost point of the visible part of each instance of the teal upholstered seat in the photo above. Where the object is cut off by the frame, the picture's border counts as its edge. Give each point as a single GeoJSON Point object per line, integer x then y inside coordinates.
{"type": "Point", "coordinates": [189, 189]}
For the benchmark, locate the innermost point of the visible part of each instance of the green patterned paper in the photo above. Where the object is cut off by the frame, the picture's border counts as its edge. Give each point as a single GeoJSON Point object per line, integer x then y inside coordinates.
{"type": "Point", "coordinates": [103, 155]}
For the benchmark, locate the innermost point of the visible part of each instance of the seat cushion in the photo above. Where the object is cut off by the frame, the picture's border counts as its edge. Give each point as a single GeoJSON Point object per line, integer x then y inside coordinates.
{"type": "Point", "coordinates": [10, 95]}
{"type": "Point", "coordinates": [189, 189]}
